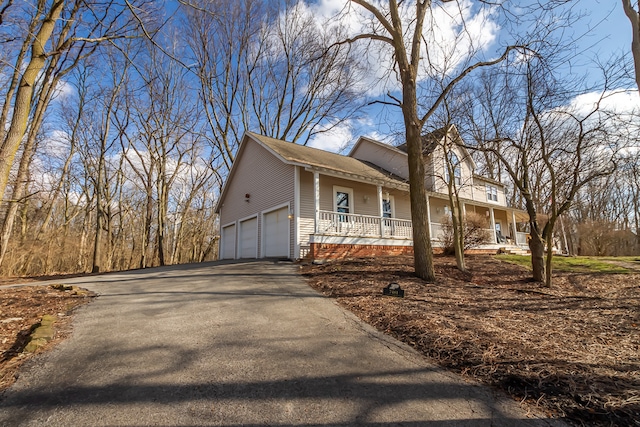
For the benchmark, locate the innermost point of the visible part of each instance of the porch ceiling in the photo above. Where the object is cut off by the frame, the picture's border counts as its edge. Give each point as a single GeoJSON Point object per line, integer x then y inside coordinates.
{"type": "Point", "coordinates": [521, 216]}
{"type": "Point", "coordinates": [380, 179]}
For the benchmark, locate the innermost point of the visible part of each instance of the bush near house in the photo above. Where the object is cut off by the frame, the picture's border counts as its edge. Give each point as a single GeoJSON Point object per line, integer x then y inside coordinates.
{"type": "Point", "coordinates": [475, 232]}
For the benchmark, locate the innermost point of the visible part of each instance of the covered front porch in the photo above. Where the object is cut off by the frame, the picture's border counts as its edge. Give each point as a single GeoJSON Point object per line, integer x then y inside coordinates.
{"type": "Point", "coordinates": [503, 225]}
{"type": "Point", "coordinates": [350, 215]}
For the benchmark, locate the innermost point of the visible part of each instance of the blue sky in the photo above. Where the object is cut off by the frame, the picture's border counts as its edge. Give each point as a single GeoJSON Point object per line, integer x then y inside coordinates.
{"type": "Point", "coordinates": [614, 30]}
{"type": "Point", "coordinates": [605, 32]}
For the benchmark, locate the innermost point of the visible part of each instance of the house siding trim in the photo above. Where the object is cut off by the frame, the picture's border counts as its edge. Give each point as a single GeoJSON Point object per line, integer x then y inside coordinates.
{"type": "Point", "coordinates": [296, 212]}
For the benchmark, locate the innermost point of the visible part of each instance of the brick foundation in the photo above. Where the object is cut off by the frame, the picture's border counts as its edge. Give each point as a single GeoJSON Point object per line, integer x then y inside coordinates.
{"type": "Point", "coordinates": [339, 251]}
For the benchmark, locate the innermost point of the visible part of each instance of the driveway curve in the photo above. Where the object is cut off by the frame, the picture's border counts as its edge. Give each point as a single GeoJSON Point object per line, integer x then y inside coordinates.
{"type": "Point", "coordinates": [237, 344]}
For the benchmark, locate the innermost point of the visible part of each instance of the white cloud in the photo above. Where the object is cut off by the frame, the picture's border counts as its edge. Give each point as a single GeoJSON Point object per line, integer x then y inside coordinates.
{"type": "Point", "coordinates": [621, 102]}
{"type": "Point", "coordinates": [454, 32]}
{"type": "Point", "coordinates": [64, 90]}
{"type": "Point", "coordinates": [56, 144]}
{"type": "Point", "coordinates": [335, 137]}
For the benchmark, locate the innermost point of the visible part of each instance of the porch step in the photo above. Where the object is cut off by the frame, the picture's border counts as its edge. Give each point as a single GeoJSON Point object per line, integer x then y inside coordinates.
{"type": "Point", "coordinates": [514, 251]}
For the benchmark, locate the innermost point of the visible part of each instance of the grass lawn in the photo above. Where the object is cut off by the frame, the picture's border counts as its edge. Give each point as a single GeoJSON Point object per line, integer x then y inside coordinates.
{"type": "Point", "coordinates": [579, 264]}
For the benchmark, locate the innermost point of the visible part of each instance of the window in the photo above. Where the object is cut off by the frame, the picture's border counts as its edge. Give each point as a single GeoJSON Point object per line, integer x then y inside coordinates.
{"type": "Point", "coordinates": [343, 199]}
{"type": "Point", "coordinates": [387, 207]}
{"type": "Point", "coordinates": [342, 202]}
{"type": "Point", "coordinates": [492, 193]}
{"type": "Point", "coordinates": [454, 163]}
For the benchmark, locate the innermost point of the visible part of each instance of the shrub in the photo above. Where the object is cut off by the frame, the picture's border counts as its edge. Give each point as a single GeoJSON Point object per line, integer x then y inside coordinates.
{"type": "Point", "coordinates": [475, 232]}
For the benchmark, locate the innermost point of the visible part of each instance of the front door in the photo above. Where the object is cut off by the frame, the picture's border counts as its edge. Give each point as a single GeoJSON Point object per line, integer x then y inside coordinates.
{"type": "Point", "coordinates": [499, 237]}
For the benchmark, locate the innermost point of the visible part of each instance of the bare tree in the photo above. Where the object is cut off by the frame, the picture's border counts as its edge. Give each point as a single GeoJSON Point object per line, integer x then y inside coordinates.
{"type": "Point", "coordinates": [404, 32]}
{"type": "Point", "coordinates": [634, 19]}
{"type": "Point", "coordinates": [267, 69]}
{"type": "Point", "coordinates": [552, 151]}
{"type": "Point", "coordinates": [83, 24]}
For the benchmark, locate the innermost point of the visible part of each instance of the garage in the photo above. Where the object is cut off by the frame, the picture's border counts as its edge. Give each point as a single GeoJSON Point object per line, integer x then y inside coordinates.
{"type": "Point", "coordinates": [248, 238]}
{"type": "Point", "coordinates": [276, 233]}
{"type": "Point", "coordinates": [229, 242]}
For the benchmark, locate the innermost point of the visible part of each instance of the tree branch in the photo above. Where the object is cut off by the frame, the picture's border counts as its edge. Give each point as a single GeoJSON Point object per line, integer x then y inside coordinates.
{"type": "Point", "coordinates": [466, 71]}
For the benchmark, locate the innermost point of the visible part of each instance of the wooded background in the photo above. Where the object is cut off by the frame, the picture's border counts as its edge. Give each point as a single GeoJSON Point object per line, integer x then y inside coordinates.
{"type": "Point", "coordinates": [121, 119]}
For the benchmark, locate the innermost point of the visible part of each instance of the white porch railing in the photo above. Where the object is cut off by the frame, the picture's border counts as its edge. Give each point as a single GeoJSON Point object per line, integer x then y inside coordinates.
{"type": "Point", "coordinates": [437, 231]}
{"type": "Point", "coordinates": [521, 239]}
{"type": "Point", "coordinates": [344, 224]}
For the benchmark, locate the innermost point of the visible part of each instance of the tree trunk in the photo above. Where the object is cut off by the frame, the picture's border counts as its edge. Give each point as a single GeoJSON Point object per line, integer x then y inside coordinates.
{"type": "Point", "coordinates": [457, 224]}
{"type": "Point", "coordinates": [422, 251]}
{"type": "Point", "coordinates": [548, 269]}
{"type": "Point", "coordinates": [536, 245]}
{"type": "Point", "coordinates": [97, 242]}
{"type": "Point", "coordinates": [458, 238]}
{"type": "Point", "coordinates": [162, 215]}
{"type": "Point", "coordinates": [634, 19]}
{"type": "Point", "coordinates": [24, 95]}
{"type": "Point", "coordinates": [19, 190]}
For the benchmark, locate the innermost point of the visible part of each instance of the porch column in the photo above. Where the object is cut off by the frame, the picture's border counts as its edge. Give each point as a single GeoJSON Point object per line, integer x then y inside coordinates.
{"type": "Point", "coordinates": [463, 206]}
{"type": "Point", "coordinates": [515, 229]}
{"type": "Point", "coordinates": [493, 225]}
{"type": "Point", "coordinates": [381, 210]}
{"type": "Point", "coordinates": [429, 218]}
{"type": "Point", "coordinates": [316, 199]}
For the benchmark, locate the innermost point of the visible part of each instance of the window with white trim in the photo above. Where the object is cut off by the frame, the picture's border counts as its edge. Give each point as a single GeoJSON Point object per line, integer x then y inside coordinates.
{"type": "Point", "coordinates": [387, 207]}
{"type": "Point", "coordinates": [343, 201]}
{"type": "Point", "coordinates": [492, 193]}
{"type": "Point", "coordinates": [454, 163]}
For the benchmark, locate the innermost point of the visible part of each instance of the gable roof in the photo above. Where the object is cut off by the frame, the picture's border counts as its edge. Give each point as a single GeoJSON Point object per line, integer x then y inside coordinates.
{"type": "Point", "coordinates": [314, 158]}
{"type": "Point", "coordinates": [378, 143]}
{"type": "Point", "coordinates": [431, 140]}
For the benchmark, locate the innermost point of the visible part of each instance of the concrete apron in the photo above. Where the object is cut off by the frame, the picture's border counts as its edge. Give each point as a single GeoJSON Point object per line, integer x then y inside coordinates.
{"type": "Point", "coordinates": [237, 344]}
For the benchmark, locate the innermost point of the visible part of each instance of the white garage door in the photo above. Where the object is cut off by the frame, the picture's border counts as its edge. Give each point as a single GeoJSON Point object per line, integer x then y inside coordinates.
{"type": "Point", "coordinates": [249, 238]}
{"type": "Point", "coordinates": [276, 233]}
{"type": "Point", "coordinates": [229, 242]}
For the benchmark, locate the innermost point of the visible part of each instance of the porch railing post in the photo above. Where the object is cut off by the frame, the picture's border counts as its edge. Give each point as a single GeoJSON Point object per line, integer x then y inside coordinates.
{"type": "Point", "coordinates": [316, 200]}
{"type": "Point", "coordinates": [381, 210]}
{"type": "Point", "coordinates": [493, 225]}
{"type": "Point", "coordinates": [515, 229]}
{"type": "Point", "coordinates": [429, 218]}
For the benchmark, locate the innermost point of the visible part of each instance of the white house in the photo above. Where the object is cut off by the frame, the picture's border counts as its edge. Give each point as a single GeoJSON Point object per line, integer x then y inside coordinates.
{"type": "Point", "coordinates": [290, 201]}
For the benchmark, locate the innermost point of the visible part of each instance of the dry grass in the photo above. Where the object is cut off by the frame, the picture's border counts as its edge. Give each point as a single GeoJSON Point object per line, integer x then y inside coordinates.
{"type": "Point", "coordinates": [573, 349]}
{"type": "Point", "coordinates": [21, 309]}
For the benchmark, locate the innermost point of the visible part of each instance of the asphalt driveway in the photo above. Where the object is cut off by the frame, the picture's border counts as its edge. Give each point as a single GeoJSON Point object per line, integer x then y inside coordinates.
{"type": "Point", "coordinates": [236, 344]}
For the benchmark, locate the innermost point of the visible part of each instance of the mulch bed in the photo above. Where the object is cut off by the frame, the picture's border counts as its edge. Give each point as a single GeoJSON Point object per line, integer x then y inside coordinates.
{"type": "Point", "coordinates": [572, 350]}
{"type": "Point", "coordinates": [21, 309]}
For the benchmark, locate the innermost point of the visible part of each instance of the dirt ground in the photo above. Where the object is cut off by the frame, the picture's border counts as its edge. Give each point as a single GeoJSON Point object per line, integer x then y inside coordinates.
{"type": "Point", "coordinates": [21, 309]}
{"type": "Point", "coordinates": [572, 350]}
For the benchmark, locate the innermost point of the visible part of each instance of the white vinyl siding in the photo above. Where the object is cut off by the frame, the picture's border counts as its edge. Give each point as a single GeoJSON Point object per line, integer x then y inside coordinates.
{"type": "Point", "coordinates": [388, 158]}
{"type": "Point", "coordinates": [267, 180]}
{"type": "Point", "coordinates": [307, 213]}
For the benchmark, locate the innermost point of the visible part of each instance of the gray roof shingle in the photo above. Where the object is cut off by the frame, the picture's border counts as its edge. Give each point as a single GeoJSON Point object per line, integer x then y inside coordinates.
{"type": "Point", "coordinates": [320, 159]}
